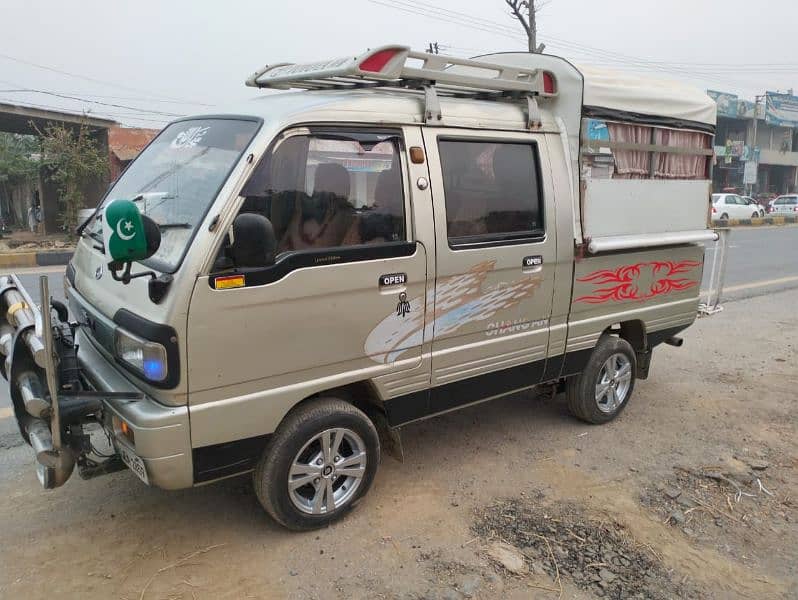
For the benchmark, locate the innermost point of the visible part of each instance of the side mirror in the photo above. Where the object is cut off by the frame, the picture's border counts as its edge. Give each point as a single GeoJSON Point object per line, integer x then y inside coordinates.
{"type": "Point", "coordinates": [254, 243]}
{"type": "Point", "coordinates": [128, 235]}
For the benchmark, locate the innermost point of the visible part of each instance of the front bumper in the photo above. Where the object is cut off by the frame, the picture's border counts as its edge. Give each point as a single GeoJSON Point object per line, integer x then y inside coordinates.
{"type": "Point", "coordinates": [161, 433]}
{"type": "Point", "coordinates": [61, 386]}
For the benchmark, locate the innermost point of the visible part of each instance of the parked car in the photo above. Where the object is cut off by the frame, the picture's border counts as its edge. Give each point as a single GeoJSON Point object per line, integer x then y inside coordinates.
{"type": "Point", "coordinates": [785, 205]}
{"type": "Point", "coordinates": [755, 205]}
{"type": "Point", "coordinates": [732, 206]}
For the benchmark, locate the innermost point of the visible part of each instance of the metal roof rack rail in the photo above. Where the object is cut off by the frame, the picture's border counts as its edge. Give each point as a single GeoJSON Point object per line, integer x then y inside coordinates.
{"type": "Point", "coordinates": [400, 67]}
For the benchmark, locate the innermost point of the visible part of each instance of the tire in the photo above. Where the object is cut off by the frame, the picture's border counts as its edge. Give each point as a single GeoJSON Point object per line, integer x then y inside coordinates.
{"type": "Point", "coordinates": [582, 390]}
{"type": "Point", "coordinates": [755, 215]}
{"type": "Point", "coordinates": [297, 446]}
{"type": "Point", "coordinates": [724, 217]}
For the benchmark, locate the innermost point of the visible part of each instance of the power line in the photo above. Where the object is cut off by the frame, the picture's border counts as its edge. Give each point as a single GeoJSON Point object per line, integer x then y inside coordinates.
{"type": "Point", "coordinates": [84, 77]}
{"type": "Point", "coordinates": [85, 113]}
{"type": "Point", "coordinates": [616, 58]}
{"type": "Point", "coordinates": [98, 102]}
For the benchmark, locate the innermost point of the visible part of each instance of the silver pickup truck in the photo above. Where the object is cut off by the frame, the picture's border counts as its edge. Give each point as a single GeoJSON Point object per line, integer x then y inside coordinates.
{"type": "Point", "coordinates": [280, 287]}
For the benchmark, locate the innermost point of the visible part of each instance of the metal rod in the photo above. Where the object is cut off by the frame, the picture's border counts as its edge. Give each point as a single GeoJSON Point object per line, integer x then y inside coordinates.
{"type": "Point", "coordinates": [47, 335]}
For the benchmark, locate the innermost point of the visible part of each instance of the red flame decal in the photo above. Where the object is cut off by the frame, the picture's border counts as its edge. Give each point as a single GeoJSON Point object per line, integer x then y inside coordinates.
{"type": "Point", "coordinates": [624, 282]}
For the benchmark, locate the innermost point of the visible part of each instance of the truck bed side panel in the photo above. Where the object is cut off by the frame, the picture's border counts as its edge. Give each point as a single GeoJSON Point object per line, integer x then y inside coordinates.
{"type": "Point", "coordinates": [659, 287]}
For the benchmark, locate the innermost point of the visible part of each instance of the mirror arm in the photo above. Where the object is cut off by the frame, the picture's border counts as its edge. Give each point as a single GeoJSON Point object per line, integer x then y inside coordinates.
{"type": "Point", "coordinates": [125, 277]}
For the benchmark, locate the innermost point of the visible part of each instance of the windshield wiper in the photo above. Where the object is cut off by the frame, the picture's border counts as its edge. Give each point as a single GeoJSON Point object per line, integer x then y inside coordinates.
{"type": "Point", "coordinates": [174, 225]}
{"type": "Point", "coordinates": [97, 237]}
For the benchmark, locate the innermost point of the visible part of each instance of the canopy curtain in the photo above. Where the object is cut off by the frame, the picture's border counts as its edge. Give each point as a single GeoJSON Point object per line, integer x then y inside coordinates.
{"type": "Point", "coordinates": [681, 166]}
{"type": "Point", "coordinates": [630, 164]}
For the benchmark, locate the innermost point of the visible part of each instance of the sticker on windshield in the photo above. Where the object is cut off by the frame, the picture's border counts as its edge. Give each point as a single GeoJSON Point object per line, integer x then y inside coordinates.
{"type": "Point", "coordinates": [189, 138]}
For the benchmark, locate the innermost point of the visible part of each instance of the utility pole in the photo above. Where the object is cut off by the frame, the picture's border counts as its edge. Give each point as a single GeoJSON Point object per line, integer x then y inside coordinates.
{"type": "Point", "coordinates": [750, 186]}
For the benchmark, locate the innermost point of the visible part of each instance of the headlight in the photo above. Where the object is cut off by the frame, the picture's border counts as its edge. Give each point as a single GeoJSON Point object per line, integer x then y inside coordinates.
{"type": "Point", "coordinates": [148, 358]}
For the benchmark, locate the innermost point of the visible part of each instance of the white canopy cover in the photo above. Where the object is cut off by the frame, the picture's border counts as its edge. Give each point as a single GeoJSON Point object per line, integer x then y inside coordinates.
{"type": "Point", "coordinates": [648, 96]}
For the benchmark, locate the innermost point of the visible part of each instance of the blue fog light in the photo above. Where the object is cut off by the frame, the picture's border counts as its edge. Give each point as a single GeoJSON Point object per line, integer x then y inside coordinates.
{"type": "Point", "coordinates": [154, 370]}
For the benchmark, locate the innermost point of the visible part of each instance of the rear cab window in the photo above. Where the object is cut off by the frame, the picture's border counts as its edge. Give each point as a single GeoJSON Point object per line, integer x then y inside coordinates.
{"type": "Point", "coordinates": [492, 192]}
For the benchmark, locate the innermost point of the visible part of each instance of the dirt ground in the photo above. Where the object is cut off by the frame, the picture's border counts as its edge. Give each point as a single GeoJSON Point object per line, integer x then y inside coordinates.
{"type": "Point", "coordinates": [692, 492]}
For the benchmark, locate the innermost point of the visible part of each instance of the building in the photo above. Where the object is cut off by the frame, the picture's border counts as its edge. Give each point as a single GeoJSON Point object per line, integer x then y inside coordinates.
{"type": "Point", "coordinates": [756, 143]}
{"type": "Point", "coordinates": [28, 120]}
{"type": "Point", "coordinates": [124, 144]}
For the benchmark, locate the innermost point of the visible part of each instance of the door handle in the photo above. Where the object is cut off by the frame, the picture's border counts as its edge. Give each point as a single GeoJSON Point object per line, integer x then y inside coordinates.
{"type": "Point", "coordinates": [532, 264]}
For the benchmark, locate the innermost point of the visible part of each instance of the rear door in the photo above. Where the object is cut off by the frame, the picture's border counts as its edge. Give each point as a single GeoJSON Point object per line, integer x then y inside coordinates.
{"type": "Point", "coordinates": [494, 223]}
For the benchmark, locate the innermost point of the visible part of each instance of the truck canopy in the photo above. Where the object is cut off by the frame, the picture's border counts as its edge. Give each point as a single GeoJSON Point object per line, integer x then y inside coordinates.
{"type": "Point", "coordinates": [609, 93]}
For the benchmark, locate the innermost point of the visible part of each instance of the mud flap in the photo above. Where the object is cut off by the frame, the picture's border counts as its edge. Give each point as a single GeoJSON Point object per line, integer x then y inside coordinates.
{"type": "Point", "coordinates": [390, 437]}
{"type": "Point", "coordinates": [643, 363]}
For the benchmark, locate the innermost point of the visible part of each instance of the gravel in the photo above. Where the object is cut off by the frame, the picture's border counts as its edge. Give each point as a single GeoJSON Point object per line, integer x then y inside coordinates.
{"type": "Point", "coordinates": [596, 554]}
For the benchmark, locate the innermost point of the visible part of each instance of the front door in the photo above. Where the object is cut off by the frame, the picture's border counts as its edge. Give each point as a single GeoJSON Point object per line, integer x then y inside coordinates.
{"type": "Point", "coordinates": [348, 272]}
{"type": "Point", "coordinates": [496, 253]}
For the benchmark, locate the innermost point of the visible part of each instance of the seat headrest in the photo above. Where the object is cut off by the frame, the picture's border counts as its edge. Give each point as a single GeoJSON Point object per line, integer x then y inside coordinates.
{"type": "Point", "coordinates": [388, 191]}
{"type": "Point", "coordinates": [511, 165]}
{"type": "Point", "coordinates": [331, 178]}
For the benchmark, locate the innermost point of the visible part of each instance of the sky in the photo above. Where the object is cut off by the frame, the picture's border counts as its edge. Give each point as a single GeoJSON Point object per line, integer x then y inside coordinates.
{"type": "Point", "coordinates": [159, 59]}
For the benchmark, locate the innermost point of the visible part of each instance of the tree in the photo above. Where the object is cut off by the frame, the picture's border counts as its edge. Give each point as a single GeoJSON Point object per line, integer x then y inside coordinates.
{"type": "Point", "coordinates": [74, 158]}
{"type": "Point", "coordinates": [526, 12]}
{"type": "Point", "coordinates": [18, 161]}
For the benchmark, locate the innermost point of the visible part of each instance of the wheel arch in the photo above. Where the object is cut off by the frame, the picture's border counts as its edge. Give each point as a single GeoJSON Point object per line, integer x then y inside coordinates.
{"type": "Point", "coordinates": [364, 396]}
{"type": "Point", "coordinates": [634, 331]}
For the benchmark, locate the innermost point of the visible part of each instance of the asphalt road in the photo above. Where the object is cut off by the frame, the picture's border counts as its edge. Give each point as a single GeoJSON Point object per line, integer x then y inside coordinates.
{"type": "Point", "coordinates": [761, 261]}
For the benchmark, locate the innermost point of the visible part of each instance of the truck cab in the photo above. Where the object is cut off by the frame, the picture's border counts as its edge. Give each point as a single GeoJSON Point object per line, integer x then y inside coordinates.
{"type": "Point", "coordinates": [279, 288]}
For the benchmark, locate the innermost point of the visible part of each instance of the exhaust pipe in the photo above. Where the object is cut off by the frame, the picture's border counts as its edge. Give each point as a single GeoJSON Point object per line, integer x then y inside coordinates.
{"type": "Point", "coordinates": [674, 341]}
{"type": "Point", "coordinates": [55, 466]}
{"type": "Point", "coordinates": [30, 389]}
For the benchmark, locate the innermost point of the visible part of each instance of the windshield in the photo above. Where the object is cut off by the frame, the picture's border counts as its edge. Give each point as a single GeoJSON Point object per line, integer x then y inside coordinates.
{"type": "Point", "coordinates": [177, 177]}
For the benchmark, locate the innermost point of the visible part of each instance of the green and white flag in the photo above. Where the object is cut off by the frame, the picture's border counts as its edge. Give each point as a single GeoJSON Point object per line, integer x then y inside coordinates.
{"type": "Point", "coordinates": [123, 231]}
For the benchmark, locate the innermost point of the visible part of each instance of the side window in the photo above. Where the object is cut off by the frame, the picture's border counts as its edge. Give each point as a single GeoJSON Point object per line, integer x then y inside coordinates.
{"type": "Point", "coordinates": [492, 191]}
{"type": "Point", "coordinates": [330, 190]}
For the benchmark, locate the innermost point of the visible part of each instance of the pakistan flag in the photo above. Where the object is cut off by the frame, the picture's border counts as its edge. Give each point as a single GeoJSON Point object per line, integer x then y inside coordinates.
{"type": "Point", "coordinates": [123, 231]}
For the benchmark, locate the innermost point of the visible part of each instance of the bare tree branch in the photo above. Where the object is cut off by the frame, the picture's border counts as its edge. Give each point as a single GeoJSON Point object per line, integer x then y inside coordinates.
{"type": "Point", "coordinates": [525, 12]}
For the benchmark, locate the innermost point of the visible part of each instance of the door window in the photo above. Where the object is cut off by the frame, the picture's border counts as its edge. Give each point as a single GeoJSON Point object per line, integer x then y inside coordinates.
{"type": "Point", "coordinates": [329, 190]}
{"type": "Point", "coordinates": [492, 192]}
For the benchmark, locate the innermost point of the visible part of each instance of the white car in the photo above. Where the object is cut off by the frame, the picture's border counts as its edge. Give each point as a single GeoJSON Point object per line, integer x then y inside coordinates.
{"type": "Point", "coordinates": [785, 205]}
{"type": "Point", "coordinates": [755, 205]}
{"type": "Point", "coordinates": [731, 206]}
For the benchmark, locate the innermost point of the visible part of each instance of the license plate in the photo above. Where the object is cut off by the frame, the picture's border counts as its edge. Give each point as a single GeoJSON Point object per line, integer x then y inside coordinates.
{"type": "Point", "coordinates": [134, 463]}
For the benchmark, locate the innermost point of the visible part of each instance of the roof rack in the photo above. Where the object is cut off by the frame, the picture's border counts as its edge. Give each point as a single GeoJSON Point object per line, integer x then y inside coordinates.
{"type": "Point", "coordinates": [400, 67]}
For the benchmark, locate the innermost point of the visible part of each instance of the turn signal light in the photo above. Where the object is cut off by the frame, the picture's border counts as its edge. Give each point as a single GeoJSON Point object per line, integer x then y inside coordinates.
{"type": "Point", "coordinates": [125, 429]}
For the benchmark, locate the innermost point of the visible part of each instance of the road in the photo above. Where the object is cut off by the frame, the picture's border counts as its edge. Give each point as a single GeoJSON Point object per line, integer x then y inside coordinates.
{"type": "Point", "coordinates": [760, 261]}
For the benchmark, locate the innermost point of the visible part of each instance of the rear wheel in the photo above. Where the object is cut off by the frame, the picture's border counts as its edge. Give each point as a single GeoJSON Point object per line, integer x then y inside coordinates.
{"type": "Point", "coordinates": [601, 391]}
{"type": "Point", "coordinates": [320, 462]}
{"type": "Point", "coordinates": [755, 215]}
{"type": "Point", "coordinates": [724, 217]}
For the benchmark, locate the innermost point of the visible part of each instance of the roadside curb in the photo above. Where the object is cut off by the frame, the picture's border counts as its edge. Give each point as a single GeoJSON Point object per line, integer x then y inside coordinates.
{"type": "Point", "coordinates": [758, 222]}
{"type": "Point", "coordinates": [34, 259]}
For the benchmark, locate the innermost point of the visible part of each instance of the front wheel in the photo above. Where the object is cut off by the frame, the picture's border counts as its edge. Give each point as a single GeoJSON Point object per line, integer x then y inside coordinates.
{"type": "Point", "coordinates": [755, 215]}
{"type": "Point", "coordinates": [602, 390]}
{"type": "Point", "coordinates": [320, 462]}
